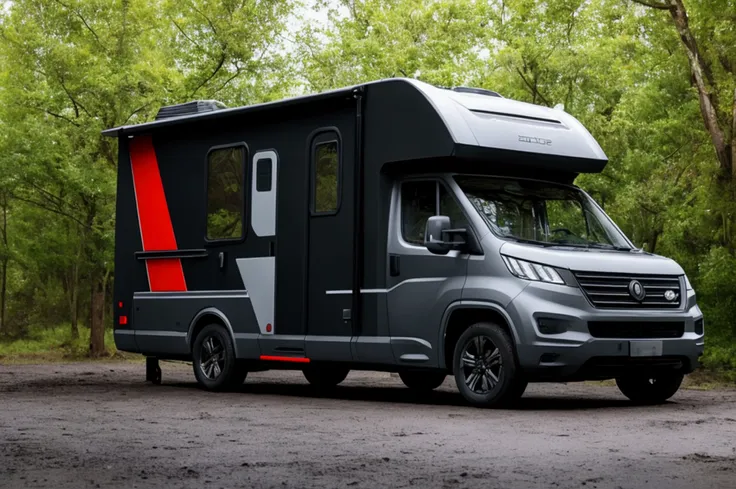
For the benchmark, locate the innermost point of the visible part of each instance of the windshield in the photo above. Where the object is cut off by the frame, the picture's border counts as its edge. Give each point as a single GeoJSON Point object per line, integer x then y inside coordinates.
{"type": "Point", "coordinates": [541, 212]}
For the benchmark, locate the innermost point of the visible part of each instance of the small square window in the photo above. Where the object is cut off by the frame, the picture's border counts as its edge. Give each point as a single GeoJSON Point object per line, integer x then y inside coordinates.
{"type": "Point", "coordinates": [264, 171]}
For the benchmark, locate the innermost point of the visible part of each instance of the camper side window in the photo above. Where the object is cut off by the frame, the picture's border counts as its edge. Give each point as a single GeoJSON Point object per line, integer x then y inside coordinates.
{"type": "Point", "coordinates": [225, 193]}
{"type": "Point", "coordinates": [326, 178]}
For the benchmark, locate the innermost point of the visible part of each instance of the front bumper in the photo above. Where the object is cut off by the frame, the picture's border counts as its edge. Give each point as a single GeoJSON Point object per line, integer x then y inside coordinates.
{"type": "Point", "coordinates": [575, 354]}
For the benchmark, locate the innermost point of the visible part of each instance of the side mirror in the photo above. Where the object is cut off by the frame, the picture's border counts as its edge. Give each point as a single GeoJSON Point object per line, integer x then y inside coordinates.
{"type": "Point", "coordinates": [440, 239]}
{"type": "Point", "coordinates": [434, 238]}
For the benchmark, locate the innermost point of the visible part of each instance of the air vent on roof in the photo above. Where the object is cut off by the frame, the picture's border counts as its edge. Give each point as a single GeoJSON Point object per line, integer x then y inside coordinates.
{"type": "Point", "coordinates": [479, 91]}
{"type": "Point", "coordinates": [189, 108]}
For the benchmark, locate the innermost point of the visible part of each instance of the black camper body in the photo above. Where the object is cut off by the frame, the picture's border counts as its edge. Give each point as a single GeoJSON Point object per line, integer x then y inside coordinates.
{"type": "Point", "coordinates": [270, 222]}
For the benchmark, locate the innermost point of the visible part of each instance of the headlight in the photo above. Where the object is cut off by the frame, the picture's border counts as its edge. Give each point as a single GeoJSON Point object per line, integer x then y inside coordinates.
{"type": "Point", "coordinates": [687, 284]}
{"type": "Point", "coordinates": [532, 271]}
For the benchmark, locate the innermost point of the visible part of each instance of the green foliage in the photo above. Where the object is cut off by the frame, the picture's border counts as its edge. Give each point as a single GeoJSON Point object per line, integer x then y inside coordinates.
{"type": "Point", "coordinates": [50, 344]}
{"type": "Point", "coordinates": [70, 68]}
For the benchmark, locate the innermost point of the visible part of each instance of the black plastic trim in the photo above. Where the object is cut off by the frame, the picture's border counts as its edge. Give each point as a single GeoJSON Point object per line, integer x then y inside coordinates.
{"type": "Point", "coordinates": [160, 254]}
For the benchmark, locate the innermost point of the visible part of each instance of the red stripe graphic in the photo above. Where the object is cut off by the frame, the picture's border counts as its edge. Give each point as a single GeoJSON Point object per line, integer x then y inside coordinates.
{"type": "Point", "coordinates": [270, 358]}
{"type": "Point", "coordinates": [157, 233]}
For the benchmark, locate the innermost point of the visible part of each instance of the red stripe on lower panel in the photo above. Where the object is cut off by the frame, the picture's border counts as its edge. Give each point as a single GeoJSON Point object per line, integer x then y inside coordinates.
{"type": "Point", "coordinates": [157, 232]}
{"type": "Point", "coordinates": [166, 275]}
{"type": "Point", "coordinates": [270, 358]}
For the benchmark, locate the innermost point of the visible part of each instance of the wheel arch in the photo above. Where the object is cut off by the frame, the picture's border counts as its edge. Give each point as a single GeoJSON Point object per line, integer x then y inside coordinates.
{"type": "Point", "coordinates": [460, 315]}
{"type": "Point", "coordinates": [207, 316]}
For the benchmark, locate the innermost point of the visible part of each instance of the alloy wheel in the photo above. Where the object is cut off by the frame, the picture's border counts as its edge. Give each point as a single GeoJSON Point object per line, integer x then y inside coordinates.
{"type": "Point", "coordinates": [482, 364]}
{"type": "Point", "coordinates": [212, 357]}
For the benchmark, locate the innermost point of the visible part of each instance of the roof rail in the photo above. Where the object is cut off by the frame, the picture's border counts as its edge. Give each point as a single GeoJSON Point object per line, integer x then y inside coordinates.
{"type": "Point", "coordinates": [479, 91]}
{"type": "Point", "coordinates": [189, 108]}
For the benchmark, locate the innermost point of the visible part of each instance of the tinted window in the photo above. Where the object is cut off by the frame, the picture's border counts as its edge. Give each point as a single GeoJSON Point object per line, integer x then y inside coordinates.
{"type": "Point", "coordinates": [326, 172]}
{"type": "Point", "coordinates": [419, 201]}
{"type": "Point", "coordinates": [225, 196]}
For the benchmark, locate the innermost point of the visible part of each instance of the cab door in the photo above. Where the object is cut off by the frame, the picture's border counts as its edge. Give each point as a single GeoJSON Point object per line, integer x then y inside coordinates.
{"type": "Point", "coordinates": [420, 284]}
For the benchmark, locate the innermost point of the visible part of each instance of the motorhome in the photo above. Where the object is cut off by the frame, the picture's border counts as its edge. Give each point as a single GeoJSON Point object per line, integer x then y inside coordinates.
{"type": "Point", "coordinates": [392, 226]}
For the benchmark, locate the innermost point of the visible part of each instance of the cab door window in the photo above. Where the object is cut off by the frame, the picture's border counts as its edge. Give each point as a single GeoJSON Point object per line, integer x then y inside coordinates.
{"type": "Point", "coordinates": [422, 199]}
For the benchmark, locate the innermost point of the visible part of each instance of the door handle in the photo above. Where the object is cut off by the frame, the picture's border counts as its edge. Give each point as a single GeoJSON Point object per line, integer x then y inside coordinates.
{"type": "Point", "coordinates": [221, 257]}
{"type": "Point", "coordinates": [394, 265]}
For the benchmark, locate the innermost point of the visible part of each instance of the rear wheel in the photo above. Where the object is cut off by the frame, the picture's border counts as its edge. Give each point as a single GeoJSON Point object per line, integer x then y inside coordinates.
{"type": "Point", "coordinates": [422, 381]}
{"type": "Point", "coordinates": [214, 362]}
{"type": "Point", "coordinates": [325, 377]}
{"type": "Point", "coordinates": [485, 367]}
{"type": "Point", "coordinates": [650, 389]}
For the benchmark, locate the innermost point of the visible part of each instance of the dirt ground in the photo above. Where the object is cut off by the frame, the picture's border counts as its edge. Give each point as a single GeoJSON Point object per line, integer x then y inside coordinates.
{"type": "Point", "coordinates": [101, 425]}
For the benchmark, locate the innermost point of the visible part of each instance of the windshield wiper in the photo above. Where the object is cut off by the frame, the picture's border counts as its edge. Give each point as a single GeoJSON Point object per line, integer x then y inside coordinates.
{"type": "Point", "coordinates": [531, 241]}
{"type": "Point", "coordinates": [603, 246]}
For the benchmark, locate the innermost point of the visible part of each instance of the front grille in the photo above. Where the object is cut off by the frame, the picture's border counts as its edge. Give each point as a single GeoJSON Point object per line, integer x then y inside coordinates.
{"type": "Point", "coordinates": [611, 290]}
{"type": "Point", "coordinates": [637, 330]}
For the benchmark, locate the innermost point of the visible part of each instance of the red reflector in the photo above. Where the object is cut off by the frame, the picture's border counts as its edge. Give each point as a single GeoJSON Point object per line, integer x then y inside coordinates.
{"type": "Point", "coordinates": [269, 358]}
{"type": "Point", "coordinates": [120, 304]}
{"type": "Point", "coordinates": [123, 320]}
{"type": "Point", "coordinates": [268, 328]}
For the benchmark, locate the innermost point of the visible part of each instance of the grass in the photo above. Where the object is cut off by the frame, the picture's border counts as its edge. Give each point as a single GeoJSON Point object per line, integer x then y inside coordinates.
{"type": "Point", "coordinates": [49, 345]}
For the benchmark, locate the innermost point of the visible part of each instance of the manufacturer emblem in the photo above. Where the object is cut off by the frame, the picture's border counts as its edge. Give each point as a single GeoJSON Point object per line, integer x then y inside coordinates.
{"type": "Point", "coordinates": [535, 140]}
{"type": "Point", "coordinates": [670, 295]}
{"type": "Point", "coordinates": [636, 289]}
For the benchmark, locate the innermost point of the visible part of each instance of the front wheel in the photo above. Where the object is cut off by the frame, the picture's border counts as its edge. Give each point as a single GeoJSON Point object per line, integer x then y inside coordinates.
{"type": "Point", "coordinates": [650, 389]}
{"type": "Point", "coordinates": [485, 367]}
{"type": "Point", "coordinates": [422, 381]}
{"type": "Point", "coordinates": [215, 365]}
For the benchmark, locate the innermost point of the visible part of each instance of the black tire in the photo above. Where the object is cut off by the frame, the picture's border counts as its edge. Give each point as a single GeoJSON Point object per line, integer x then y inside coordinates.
{"type": "Point", "coordinates": [325, 377]}
{"type": "Point", "coordinates": [422, 381]}
{"type": "Point", "coordinates": [650, 389]}
{"type": "Point", "coordinates": [493, 381]}
{"type": "Point", "coordinates": [517, 390]}
{"type": "Point", "coordinates": [222, 373]}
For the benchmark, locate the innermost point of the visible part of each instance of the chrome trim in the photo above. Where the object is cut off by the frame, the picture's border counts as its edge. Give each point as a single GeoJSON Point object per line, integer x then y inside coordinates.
{"type": "Point", "coordinates": [414, 357]}
{"type": "Point", "coordinates": [194, 294]}
{"type": "Point", "coordinates": [386, 291]}
{"type": "Point", "coordinates": [151, 332]}
{"type": "Point", "coordinates": [416, 340]}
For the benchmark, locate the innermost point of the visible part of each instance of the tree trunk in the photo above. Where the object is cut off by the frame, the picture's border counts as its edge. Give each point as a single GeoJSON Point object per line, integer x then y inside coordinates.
{"type": "Point", "coordinates": [3, 292]}
{"type": "Point", "coordinates": [733, 135]}
{"type": "Point", "coordinates": [97, 326]}
{"type": "Point", "coordinates": [704, 83]}
{"type": "Point", "coordinates": [5, 260]}
{"type": "Point", "coordinates": [74, 301]}
{"type": "Point", "coordinates": [705, 86]}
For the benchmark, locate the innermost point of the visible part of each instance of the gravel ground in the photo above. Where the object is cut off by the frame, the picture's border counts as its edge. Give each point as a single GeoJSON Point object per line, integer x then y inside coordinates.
{"type": "Point", "coordinates": [101, 425]}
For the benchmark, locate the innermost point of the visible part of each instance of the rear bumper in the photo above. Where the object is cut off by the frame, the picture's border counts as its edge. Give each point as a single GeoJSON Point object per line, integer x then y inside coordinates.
{"type": "Point", "coordinates": [575, 354]}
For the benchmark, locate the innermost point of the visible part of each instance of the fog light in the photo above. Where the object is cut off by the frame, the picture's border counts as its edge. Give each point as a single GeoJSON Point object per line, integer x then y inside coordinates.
{"type": "Point", "coordinates": [699, 326]}
{"type": "Point", "coordinates": [551, 325]}
{"type": "Point", "coordinates": [548, 358]}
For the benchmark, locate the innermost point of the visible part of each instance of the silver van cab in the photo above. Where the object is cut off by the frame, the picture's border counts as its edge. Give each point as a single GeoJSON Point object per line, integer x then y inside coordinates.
{"type": "Point", "coordinates": [581, 302]}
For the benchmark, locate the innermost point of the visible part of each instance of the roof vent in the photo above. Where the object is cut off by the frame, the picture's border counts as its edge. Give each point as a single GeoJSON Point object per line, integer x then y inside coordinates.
{"type": "Point", "coordinates": [189, 108]}
{"type": "Point", "coordinates": [478, 91]}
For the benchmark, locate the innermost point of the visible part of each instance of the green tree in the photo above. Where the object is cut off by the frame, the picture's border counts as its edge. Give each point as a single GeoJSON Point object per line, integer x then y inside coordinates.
{"type": "Point", "coordinates": [75, 67]}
